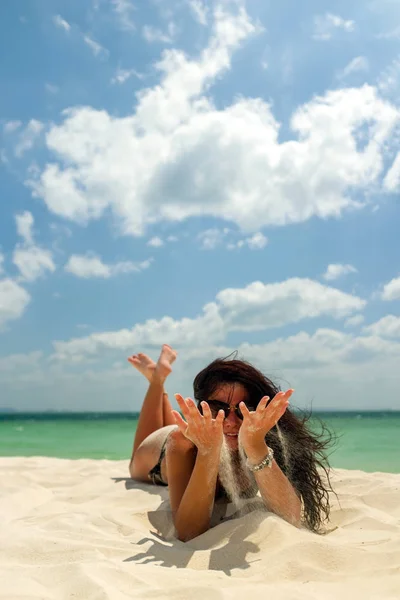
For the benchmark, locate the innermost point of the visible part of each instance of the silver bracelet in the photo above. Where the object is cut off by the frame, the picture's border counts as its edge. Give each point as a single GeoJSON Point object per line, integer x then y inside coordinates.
{"type": "Point", "coordinates": [266, 462]}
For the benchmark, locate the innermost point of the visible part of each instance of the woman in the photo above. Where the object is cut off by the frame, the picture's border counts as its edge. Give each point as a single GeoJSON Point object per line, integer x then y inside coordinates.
{"type": "Point", "coordinates": [236, 405]}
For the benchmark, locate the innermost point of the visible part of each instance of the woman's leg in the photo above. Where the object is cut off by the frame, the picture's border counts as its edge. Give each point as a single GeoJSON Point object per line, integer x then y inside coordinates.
{"type": "Point", "coordinates": [156, 409]}
{"type": "Point", "coordinates": [167, 411]}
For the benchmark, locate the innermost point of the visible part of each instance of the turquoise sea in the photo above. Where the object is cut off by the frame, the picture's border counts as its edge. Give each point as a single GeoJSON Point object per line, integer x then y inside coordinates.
{"type": "Point", "coordinates": [369, 441]}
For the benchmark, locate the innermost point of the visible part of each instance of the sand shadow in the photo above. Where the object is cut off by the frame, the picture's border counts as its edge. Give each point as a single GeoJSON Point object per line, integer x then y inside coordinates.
{"type": "Point", "coordinates": [165, 550]}
{"type": "Point", "coordinates": [233, 553]}
{"type": "Point", "coordinates": [131, 484]}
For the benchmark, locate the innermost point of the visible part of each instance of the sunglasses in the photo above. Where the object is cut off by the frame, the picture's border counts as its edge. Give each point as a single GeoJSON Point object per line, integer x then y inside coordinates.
{"type": "Point", "coordinates": [217, 405]}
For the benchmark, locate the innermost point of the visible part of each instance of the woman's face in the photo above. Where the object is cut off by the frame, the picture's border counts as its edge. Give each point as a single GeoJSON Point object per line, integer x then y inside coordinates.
{"type": "Point", "coordinates": [231, 394]}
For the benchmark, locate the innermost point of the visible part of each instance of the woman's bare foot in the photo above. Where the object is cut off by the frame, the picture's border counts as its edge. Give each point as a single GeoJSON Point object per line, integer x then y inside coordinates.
{"type": "Point", "coordinates": [144, 364]}
{"type": "Point", "coordinates": [163, 366]}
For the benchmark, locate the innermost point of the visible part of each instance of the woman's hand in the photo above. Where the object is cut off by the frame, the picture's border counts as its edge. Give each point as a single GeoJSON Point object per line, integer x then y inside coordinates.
{"type": "Point", "coordinates": [204, 431]}
{"type": "Point", "coordinates": [256, 424]}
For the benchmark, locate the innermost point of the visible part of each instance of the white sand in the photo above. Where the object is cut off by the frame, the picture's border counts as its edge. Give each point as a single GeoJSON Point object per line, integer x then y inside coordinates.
{"type": "Point", "coordinates": [81, 529]}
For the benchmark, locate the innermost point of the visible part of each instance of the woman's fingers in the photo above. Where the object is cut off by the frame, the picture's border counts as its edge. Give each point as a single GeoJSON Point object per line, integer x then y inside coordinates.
{"type": "Point", "coordinates": [273, 409]}
{"type": "Point", "coordinates": [206, 410]}
{"type": "Point", "coordinates": [278, 406]}
{"type": "Point", "coordinates": [208, 418]}
{"type": "Point", "coordinates": [202, 430]}
{"type": "Point", "coordinates": [191, 406]}
{"type": "Point", "coordinates": [278, 401]}
{"type": "Point", "coordinates": [183, 406]}
{"type": "Point", "coordinates": [262, 404]}
{"type": "Point", "coordinates": [194, 414]}
{"type": "Point", "coordinates": [280, 398]}
{"type": "Point", "coordinates": [179, 421]}
{"type": "Point", "coordinates": [245, 411]}
{"type": "Point", "coordinates": [189, 409]}
{"type": "Point", "coordinates": [284, 402]}
{"type": "Point", "coordinates": [219, 419]}
{"type": "Point", "coordinates": [282, 407]}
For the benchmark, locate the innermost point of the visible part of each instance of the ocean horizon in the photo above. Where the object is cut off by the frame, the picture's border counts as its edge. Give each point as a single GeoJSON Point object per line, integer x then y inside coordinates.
{"type": "Point", "coordinates": [365, 440]}
{"type": "Point", "coordinates": [6, 413]}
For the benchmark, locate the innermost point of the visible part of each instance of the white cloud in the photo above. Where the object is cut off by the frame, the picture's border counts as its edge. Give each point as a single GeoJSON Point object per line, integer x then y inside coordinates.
{"type": "Point", "coordinates": [388, 326]}
{"type": "Point", "coordinates": [326, 25]}
{"type": "Point", "coordinates": [91, 266]}
{"type": "Point", "coordinates": [20, 362]}
{"type": "Point", "coordinates": [265, 58]}
{"type": "Point", "coordinates": [153, 34]}
{"type": "Point", "coordinates": [324, 347]}
{"type": "Point", "coordinates": [335, 271]}
{"type": "Point", "coordinates": [95, 47]}
{"type": "Point", "coordinates": [354, 321]}
{"type": "Point", "coordinates": [124, 10]}
{"type": "Point", "coordinates": [199, 10]}
{"type": "Point", "coordinates": [11, 126]}
{"type": "Point", "coordinates": [155, 242]}
{"type": "Point", "coordinates": [24, 222]}
{"type": "Point", "coordinates": [28, 137]}
{"type": "Point", "coordinates": [32, 261]}
{"type": "Point", "coordinates": [260, 306]}
{"type": "Point", "coordinates": [358, 64]}
{"type": "Point", "coordinates": [60, 230]}
{"type": "Point", "coordinates": [61, 23]}
{"type": "Point", "coordinates": [392, 179]}
{"type": "Point", "coordinates": [1, 263]}
{"type": "Point", "coordinates": [257, 241]}
{"type": "Point", "coordinates": [256, 307]}
{"type": "Point", "coordinates": [122, 75]}
{"type": "Point", "coordinates": [331, 369]}
{"type": "Point", "coordinates": [188, 332]}
{"type": "Point", "coordinates": [13, 301]}
{"type": "Point", "coordinates": [138, 167]}
{"type": "Point", "coordinates": [391, 291]}
{"type": "Point", "coordinates": [52, 89]}
{"type": "Point", "coordinates": [87, 267]}
{"type": "Point", "coordinates": [131, 267]}
{"type": "Point", "coordinates": [211, 238]}
{"type": "Point", "coordinates": [389, 80]}
{"type": "Point", "coordinates": [393, 34]}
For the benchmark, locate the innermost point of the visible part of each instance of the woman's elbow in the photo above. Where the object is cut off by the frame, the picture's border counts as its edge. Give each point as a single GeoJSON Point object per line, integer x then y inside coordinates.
{"type": "Point", "coordinates": [183, 534]}
{"type": "Point", "coordinates": [186, 534]}
{"type": "Point", "coordinates": [296, 521]}
{"type": "Point", "coordinates": [295, 516]}
{"type": "Point", "coordinates": [184, 537]}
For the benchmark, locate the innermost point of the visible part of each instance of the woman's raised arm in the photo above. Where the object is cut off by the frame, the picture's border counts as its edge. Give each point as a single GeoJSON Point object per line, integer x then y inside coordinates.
{"type": "Point", "coordinates": [277, 492]}
{"type": "Point", "coordinates": [193, 455]}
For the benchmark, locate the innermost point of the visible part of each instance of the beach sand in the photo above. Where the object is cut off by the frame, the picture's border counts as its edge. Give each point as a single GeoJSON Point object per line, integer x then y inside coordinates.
{"type": "Point", "coordinates": [82, 529]}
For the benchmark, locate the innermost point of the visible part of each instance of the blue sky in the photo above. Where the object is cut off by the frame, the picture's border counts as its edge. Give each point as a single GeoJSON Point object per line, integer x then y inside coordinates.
{"type": "Point", "coordinates": [216, 176]}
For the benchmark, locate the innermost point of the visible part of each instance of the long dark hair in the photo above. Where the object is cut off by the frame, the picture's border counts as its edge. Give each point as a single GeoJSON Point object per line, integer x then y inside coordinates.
{"type": "Point", "coordinates": [299, 451]}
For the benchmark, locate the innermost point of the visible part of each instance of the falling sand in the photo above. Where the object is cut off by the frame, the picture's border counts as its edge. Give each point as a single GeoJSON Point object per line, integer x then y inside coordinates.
{"type": "Point", "coordinates": [238, 481]}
